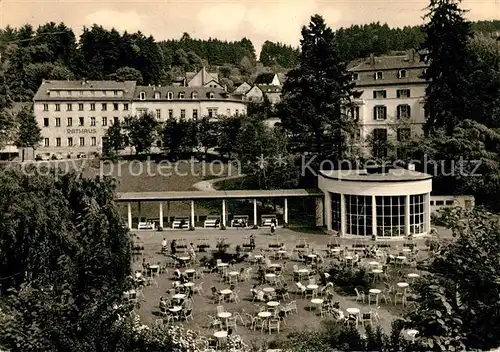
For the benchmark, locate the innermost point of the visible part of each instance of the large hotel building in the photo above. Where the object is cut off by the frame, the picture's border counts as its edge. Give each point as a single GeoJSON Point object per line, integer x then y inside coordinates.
{"type": "Point", "coordinates": [74, 115]}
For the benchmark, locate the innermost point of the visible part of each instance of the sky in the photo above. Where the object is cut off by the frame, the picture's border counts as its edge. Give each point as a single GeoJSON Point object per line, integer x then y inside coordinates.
{"type": "Point", "coordinates": [258, 20]}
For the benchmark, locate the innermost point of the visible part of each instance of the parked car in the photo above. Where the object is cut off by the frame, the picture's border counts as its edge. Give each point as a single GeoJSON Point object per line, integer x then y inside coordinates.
{"type": "Point", "coordinates": [43, 157]}
{"type": "Point", "coordinates": [81, 156]}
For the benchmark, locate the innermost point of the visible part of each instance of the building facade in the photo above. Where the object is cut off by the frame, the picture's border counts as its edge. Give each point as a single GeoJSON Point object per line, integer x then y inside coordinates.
{"type": "Point", "coordinates": [392, 100]}
{"type": "Point", "coordinates": [389, 203]}
{"type": "Point", "coordinates": [75, 115]}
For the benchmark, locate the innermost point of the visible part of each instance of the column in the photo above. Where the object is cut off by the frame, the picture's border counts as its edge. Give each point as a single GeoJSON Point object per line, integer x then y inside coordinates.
{"type": "Point", "coordinates": [328, 211]}
{"type": "Point", "coordinates": [139, 212]}
{"type": "Point", "coordinates": [427, 213]}
{"type": "Point", "coordinates": [255, 212]}
{"type": "Point", "coordinates": [223, 212]}
{"type": "Point", "coordinates": [129, 211]}
{"type": "Point", "coordinates": [285, 211]}
{"type": "Point", "coordinates": [374, 215]}
{"type": "Point", "coordinates": [161, 215]}
{"type": "Point", "coordinates": [192, 213]}
{"type": "Point", "coordinates": [320, 212]}
{"type": "Point", "coordinates": [407, 215]}
{"type": "Point", "coordinates": [343, 217]}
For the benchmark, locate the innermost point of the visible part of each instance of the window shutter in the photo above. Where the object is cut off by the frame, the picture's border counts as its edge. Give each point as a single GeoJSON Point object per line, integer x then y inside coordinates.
{"type": "Point", "coordinates": [398, 93]}
{"type": "Point", "coordinates": [385, 115]}
{"type": "Point", "coordinates": [374, 94]}
{"type": "Point", "coordinates": [398, 111]}
{"type": "Point", "coordinates": [375, 75]}
{"type": "Point", "coordinates": [409, 111]}
{"type": "Point", "coordinates": [385, 94]}
{"type": "Point", "coordinates": [407, 93]}
{"type": "Point", "coordinates": [374, 112]}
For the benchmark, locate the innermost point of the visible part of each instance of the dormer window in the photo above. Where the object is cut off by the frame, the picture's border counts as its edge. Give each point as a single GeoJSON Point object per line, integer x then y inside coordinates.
{"type": "Point", "coordinates": [379, 75]}
{"type": "Point", "coordinates": [157, 95]}
{"type": "Point", "coordinates": [142, 95]}
{"type": "Point", "coordinates": [211, 95]}
{"type": "Point", "coordinates": [170, 95]}
{"type": "Point", "coordinates": [402, 74]}
{"type": "Point", "coordinates": [181, 95]}
{"type": "Point", "coordinates": [194, 95]}
{"type": "Point", "coordinates": [355, 76]}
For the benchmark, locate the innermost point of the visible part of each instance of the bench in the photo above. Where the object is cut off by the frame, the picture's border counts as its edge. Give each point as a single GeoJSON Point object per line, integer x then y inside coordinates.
{"type": "Point", "coordinates": [176, 224]}
{"type": "Point", "coordinates": [212, 221]}
{"type": "Point", "coordinates": [148, 225]}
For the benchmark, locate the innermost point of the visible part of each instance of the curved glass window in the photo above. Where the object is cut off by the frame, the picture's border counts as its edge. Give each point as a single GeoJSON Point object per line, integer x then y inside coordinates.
{"type": "Point", "coordinates": [390, 215]}
{"type": "Point", "coordinates": [336, 219]}
{"type": "Point", "coordinates": [358, 215]}
{"type": "Point", "coordinates": [417, 225]}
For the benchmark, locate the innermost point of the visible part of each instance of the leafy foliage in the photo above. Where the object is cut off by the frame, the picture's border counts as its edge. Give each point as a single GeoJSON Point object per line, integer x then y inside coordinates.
{"type": "Point", "coordinates": [141, 131]}
{"type": "Point", "coordinates": [29, 134]}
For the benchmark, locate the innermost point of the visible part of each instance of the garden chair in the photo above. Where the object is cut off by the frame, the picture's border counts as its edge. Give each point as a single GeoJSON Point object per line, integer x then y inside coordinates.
{"type": "Point", "coordinates": [274, 324]}
{"type": "Point", "coordinates": [187, 311]}
{"type": "Point", "coordinates": [293, 306]}
{"type": "Point", "coordinates": [215, 322]}
{"type": "Point", "coordinates": [302, 288]}
{"type": "Point", "coordinates": [220, 309]}
{"type": "Point", "coordinates": [235, 297]}
{"type": "Point", "coordinates": [360, 295]}
{"type": "Point", "coordinates": [375, 315]}
{"type": "Point", "coordinates": [199, 289]}
{"type": "Point", "coordinates": [258, 322]}
{"type": "Point", "coordinates": [366, 318]}
{"type": "Point", "coordinates": [231, 323]}
{"type": "Point", "coordinates": [159, 323]}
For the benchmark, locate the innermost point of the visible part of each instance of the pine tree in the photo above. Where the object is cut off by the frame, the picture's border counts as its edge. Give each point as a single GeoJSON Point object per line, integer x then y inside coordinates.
{"type": "Point", "coordinates": [315, 93]}
{"type": "Point", "coordinates": [450, 65]}
{"type": "Point", "coordinates": [29, 134]}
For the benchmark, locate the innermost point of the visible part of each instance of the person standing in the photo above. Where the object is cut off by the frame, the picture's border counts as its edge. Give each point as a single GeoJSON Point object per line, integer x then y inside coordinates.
{"type": "Point", "coordinates": [173, 248]}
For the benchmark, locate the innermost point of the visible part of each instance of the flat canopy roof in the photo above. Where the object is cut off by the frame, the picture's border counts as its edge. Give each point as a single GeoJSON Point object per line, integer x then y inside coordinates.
{"type": "Point", "coordinates": [390, 175]}
{"type": "Point", "coordinates": [234, 194]}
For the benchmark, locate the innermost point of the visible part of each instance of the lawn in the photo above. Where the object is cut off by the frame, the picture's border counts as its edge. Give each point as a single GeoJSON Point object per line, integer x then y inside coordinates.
{"type": "Point", "coordinates": [203, 307]}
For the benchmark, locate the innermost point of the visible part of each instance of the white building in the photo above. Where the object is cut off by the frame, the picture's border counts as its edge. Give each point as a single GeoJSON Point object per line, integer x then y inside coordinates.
{"type": "Point", "coordinates": [388, 203]}
{"type": "Point", "coordinates": [74, 115]}
{"type": "Point", "coordinates": [393, 93]}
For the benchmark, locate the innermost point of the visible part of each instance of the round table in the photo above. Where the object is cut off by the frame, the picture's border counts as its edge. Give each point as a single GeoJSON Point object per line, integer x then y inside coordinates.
{"type": "Point", "coordinates": [189, 271]}
{"type": "Point", "coordinates": [281, 252]}
{"type": "Point", "coordinates": [352, 311]}
{"type": "Point", "coordinates": [270, 276]}
{"type": "Point", "coordinates": [376, 292]}
{"type": "Point", "coordinates": [220, 334]}
{"type": "Point", "coordinates": [412, 333]}
{"type": "Point", "coordinates": [413, 275]}
{"type": "Point", "coordinates": [226, 292]}
{"type": "Point", "coordinates": [312, 287]}
{"type": "Point", "coordinates": [189, 284]}
{"type": "Point", "coordinates": [348, 257]}
{"type": "Point", "coordinates": [374, 263]}
{"type": "Point", "coordinates": [179, 296]}
{"type": "Point", "coordinates": [316, 301]}
{"type": "Point", "coordinates": [258, 256]}
{"type": "Point", "coordinates": [138, 275]}
{"type": "Point", "coordinates": [264, 314]}
{"type": "Point", "coordinates": [233, 273]}
{"type": "Point", "coordinates": [273, 304]}
{"type": "Point", "coordinates": [335, 250]}
{"type": "Point", "coordinates": [268, 289]}
{"type": "Point", "coordinates": [403, 284]}
{"type": "Point", "coordinates": [184, 259]}
{"type": "Point", "coordinates": [224, 315]}
{"type": "Point", "coordinates": [312, 256]}
{"type": "Point", "coordinates": [222, 265]}
{"type": "Point", "coordinates": [274, 265]}
{"type": "Point", "coordinates": [406, 250]}
{"type": "Point", "coordinates": [154, 267]}
{"type": "Point", "coordinates": [401, 258]}
{"type": "Point", "coordinates": [175, 309]}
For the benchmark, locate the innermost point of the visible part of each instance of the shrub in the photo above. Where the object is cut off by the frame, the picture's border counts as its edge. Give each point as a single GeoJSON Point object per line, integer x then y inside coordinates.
{"type": "Point", "coordinates": [347, 278]}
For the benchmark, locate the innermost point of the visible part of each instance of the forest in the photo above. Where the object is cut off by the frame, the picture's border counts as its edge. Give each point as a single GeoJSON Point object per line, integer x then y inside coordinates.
{"type": "Point", "coordinates": [53, 51]}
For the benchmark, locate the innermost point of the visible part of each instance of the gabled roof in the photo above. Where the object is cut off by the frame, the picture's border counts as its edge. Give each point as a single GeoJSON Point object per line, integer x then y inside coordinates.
{"type": "Point", "coordinates": [388, 63]}
{"type": "Point", "coordinates": [202, 93]}
{"type": "Point", "coordinates": [203, 75]}
{"type": "Point", "coordinates": [128, 88]}
{"type": "Point", "coordinates": [264, 78]}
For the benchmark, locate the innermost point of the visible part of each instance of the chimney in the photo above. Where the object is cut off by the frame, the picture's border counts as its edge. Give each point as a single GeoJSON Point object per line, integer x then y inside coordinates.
{"type": "Point", "coordinates": [372, 59]}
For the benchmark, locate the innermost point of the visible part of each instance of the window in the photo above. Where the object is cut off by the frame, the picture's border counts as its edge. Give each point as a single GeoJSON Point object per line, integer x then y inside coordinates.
{"type": "Point", "coordinates": [70, 121]}
{"type": "Point", "coordinates": [380, 112]}
{"type": "Point", "coordinates": [402, 74]}
{"type": "Point", "coordinates": [379, 147]}
{"type": "Point", "coordinates": [379, 94]}
{"type": "Point", "coordinates": [125, 106]}
{"type": "Point", "coordinates": [58, 107]}
{"type": "Point", "coordinates": [195, 114]}
{"type": "Point", "coordinates": [228, 112]}
{"type": "Point", "coordinates": [194, 95]}
{"type": "Point", "coordinates": [45, 107]}
{"type": "Point", "coordinates": [237, 111]}
{"type": "Point", "coordinates": [170, 95]}
{"type": "Point", "coordinates": [69, 107]}
{"type": "Point", "coordinates": [403, 93]}
{"type": "Point", "coordinates": [355, 76]}
{"type": "Point", "coordinates": [403, 111]}
{"type": "Point", "coordinates": [115, 93]}
{"type": "Point", "coordinates": [92, 106]}
{"type": "Point", "coordinates": [183, 114]}
{"type": "Point", "coordinates": [104, 106]}
{"type": "Point", "coordinates": [104, 121]}
{"type": "Point", "coordinates": [58, 142]}
{"type": "Point", "coordinates": [92, 121]}
{"type": "Point", "coordinates": [115, 119]}
{"type": "Point", "coordinates": [46, 142]}
{"type": "Point", "coordinates": [115, 106]}
{"type": "Point", "coordinates": [93, 141]}
{"type": "Point", "coordinates": [158, 114]}
{"type": "Point", "coordinates": [80, 107]}
{"type": "Point", "coordinates": [432, 202]}
{"type": "Point", "coordinates": [403, 134]}
{"type": "Point", "coordinates": [439, 202]}
{"type": "Point", "coordinates": [142, 95]}
{"type": "Point", "coordinates": [355, 112]}
{"type": "Point", "coordinates": [358, 215]}
{"type": "Point", "coordinates": [417, 224]}
{"type": "Point", "coordinates": [58, 92]}
{"type": "Point", "coordinates": [390, 215]}
{"type": "Point", "coordinates": [211, 95]}
{"type": "Point", "coordinates": [92, 92]}
{"type": "Point", "coordinates": [142, 111]}
{"type": "Point", "coordinates": [379, 75]}
{"type": "Point", "coordinates": [82, 141]}
{"type": "Point", "coordinates": [170, 113]}
{"type": "Point", "coordinates": [70, 141]}
{"type": "Point", "coordinates": [449, 202]}
{"type": "Point", "coordinates": [212, 112]}
{"type": "Point", "coordinates": [81, 93]}
{"type": "Point", "coordinates": [46, 122]}
{"type": "Point", "coordinates": [104, 93]}
{"type": "Point", "coordinates": [181, 95]}
{"type": "Point", "coordinates": [157, 95]}
{"type": "Point", "coordinates": [336, 219]}
{"type": "Point", "coordinates": [81, 121]}
{"type": "Point", "coordinates": [58, 122]}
